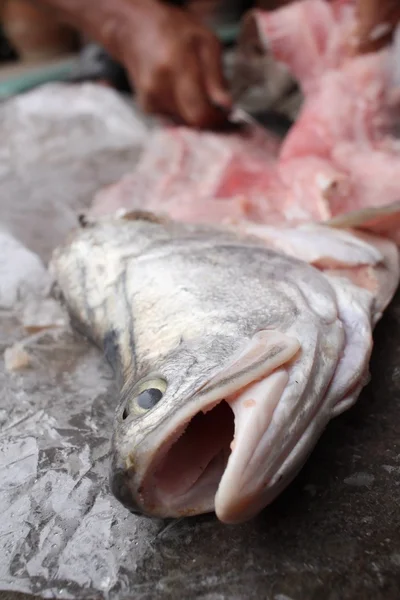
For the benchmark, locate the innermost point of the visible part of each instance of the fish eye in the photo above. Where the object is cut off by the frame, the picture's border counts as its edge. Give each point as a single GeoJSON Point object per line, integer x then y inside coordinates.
{"type": "Point", "coordinates": [145, 397]}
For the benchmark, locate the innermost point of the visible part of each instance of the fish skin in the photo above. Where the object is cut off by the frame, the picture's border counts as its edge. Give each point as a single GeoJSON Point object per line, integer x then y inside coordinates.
{"type": "Point", "coordinates": [220, 315]}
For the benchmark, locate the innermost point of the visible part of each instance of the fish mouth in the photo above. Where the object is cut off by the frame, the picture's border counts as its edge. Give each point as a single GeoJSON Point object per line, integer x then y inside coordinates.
{"type": "Point", "coordinates": [211, 455]}
{"type": "Point", "coordinates": [211, 462]}
{"type": "Point", "coordinates": [187, 472]}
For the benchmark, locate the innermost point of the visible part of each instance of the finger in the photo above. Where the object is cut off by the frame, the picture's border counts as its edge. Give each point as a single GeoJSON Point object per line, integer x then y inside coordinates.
{"type": "Point", "coordinates": [192, 101]}
{"type": "Point", "coordinates": [210, 53]}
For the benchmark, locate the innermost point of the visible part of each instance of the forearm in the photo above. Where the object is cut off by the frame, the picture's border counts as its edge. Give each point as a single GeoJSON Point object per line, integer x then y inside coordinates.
{"type": "Point", "coordinates": [103, 20]}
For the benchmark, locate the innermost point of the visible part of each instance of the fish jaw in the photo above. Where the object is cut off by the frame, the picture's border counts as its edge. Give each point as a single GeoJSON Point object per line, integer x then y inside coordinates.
{"type": "Point", "coordinates": [182, 475]}
{"type": "Point", "coordinates": [236, 499]}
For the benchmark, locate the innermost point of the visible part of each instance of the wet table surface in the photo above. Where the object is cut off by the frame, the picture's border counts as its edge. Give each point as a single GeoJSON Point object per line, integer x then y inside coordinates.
{"type": "Point", "coordinates": [334, 534]}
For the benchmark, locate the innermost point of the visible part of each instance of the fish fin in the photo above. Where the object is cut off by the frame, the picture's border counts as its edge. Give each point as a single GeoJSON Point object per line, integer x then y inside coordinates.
{"type": "Point", "coordinates": [265, 352]}
{"type": "Point", "coordinates": [375, 218]}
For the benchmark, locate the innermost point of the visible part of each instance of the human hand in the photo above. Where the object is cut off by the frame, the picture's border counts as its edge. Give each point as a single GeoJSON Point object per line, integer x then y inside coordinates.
{"type": "Point", "coordinates": [176, 66]}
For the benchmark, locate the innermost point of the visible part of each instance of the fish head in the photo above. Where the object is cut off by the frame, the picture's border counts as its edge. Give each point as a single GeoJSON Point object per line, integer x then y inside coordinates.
{"type": "Point", "coordinates": [233, 357]}
{"type": "Point", "coordinates": [224, 415]}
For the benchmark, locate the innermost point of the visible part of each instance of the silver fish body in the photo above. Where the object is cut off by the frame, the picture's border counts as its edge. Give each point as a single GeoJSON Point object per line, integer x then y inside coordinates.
{"type": "Point", "coordinates": [232, 354]}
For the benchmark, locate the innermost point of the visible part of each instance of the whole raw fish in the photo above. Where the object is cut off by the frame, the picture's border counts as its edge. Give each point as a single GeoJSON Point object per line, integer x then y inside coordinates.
{"type": "Point", "coordinates": [233, 350]}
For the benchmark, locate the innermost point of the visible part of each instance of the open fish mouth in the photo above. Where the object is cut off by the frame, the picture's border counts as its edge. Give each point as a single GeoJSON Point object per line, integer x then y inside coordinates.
{"type": "Point", "coordinates": [209, 464]}
{"type": "Point", "coordinates": [187, 470]}
{"type": "Point", "coordinates": [211, 459]}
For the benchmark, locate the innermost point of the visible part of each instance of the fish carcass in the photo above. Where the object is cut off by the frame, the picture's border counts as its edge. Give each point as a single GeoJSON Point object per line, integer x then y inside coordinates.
{"type": "Point", "coordinates": [233, 349]}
